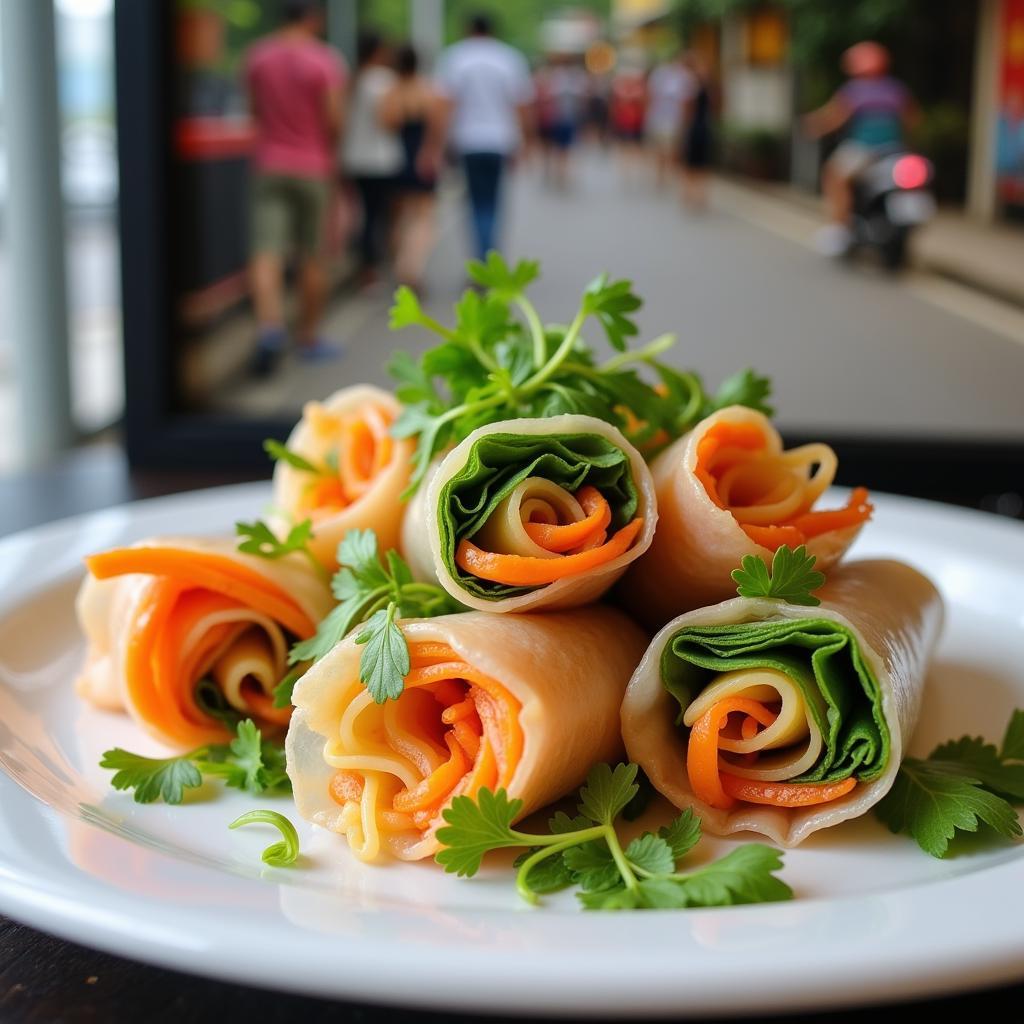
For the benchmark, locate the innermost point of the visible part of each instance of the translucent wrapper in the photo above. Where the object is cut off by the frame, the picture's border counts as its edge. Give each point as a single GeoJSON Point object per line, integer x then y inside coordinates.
{"type": "Point", "coordinates": [436, 522]}
{"type": "Point", "coordinates": [176, 627]}
{"type": "Point", "coordinates": [699, 543]}
{"type": "Point", "coordinates": [367, 470]}
{"type": "Point", "coordinates": [894, 614]}
{"type": "Point", "coordinates": [527, 702]}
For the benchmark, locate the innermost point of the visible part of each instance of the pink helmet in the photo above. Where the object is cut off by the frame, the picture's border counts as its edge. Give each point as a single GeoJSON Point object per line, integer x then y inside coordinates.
{"type": "Point", "coordinates": [867, 59]}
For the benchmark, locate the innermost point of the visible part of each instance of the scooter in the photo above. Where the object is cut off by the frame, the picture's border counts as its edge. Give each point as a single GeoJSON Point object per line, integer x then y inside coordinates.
{"type": "Point", "coordinates": [890, 199]}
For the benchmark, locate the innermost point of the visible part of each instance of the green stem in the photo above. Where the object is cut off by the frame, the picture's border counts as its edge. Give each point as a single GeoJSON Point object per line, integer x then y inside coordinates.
{"type": "Point", "coordinates": [660, 344]}
{"type": "Point", "coordinates": [619, 856]}
{"type": "Point", "coordinates": [536, 331]}
{"type": "Point", "coordinates": [424, 588]}
{"type": "Point", "coordinates": [552, 845]}
{"type": "Point", "coordinates": [477, 349]}
{"type": "Point", "coordinates": [438, 328]}
{"type": "Point", "coordinates": [561, 353]}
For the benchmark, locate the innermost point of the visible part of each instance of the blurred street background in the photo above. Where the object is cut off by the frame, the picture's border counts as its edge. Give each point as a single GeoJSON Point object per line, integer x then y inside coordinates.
{"type": "Point", "coordinates": [661, 140]}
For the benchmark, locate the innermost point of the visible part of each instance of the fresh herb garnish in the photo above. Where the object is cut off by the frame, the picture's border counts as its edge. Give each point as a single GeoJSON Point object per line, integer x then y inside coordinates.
{"type": "Point", "coordinates": [791, 579]}
{"type": "Point", "coordinates": [372, 593]}
{"type": "Point", "coordinates": [586, 851]}
{"type": "Point", "coordinates": [492, 366]}
{"type": "Point", "coordinates": [281, 854]}
{"type": "Point", "coordinates": [280, 453]}
{"type": "Point", "coordinates": [258, 539]}
{"type": "Point", "coordinates": [960, 785]}
{"type": "Point", "coordinates": [283, 691]}
{"type": "Point", "coordinates": [248, 762]}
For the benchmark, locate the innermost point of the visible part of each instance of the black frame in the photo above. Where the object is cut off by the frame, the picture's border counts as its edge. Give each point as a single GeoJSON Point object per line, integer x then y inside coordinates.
{"type": "Point", "coordinates": [159, 436]}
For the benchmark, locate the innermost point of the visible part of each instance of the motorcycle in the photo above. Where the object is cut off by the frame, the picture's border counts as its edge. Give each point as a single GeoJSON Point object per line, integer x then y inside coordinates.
{"type": "Point", "coordinates": [890, 199]}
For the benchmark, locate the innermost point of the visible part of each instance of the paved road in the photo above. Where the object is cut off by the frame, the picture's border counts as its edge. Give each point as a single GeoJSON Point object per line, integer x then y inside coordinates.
{"type": "Point", "coordinates": [849, 349]}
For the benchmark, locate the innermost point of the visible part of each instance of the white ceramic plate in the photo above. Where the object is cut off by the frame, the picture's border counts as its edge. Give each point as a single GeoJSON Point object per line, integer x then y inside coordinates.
{"type": "Point", "coordinates": [874, 917]}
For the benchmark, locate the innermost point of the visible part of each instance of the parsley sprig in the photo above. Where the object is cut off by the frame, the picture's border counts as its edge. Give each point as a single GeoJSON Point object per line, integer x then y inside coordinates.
{"type": "Point", "coordinates": [258, 539]}
{"type": "Point", "coordinates": [494, 365]}
{"type": "Point", "coordinates": [586, 851]}
{"type": "Point", "coordinates": [961, 785]}
{"type": "Point", "coordinates": [791, 579]}
{"type": "Point", "coordinates": [248, 762]}
{"type": "Point", "coordinates": [375, 594]}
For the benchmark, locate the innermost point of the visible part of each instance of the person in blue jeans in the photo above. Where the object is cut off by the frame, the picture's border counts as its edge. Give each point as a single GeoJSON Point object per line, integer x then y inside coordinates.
{"type": "Point", "coordinates": [488, 96]}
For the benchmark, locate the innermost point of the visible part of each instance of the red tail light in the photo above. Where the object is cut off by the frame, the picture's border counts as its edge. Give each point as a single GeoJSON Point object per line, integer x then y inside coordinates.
{"type": "Point", "coordinates": [911, 171]}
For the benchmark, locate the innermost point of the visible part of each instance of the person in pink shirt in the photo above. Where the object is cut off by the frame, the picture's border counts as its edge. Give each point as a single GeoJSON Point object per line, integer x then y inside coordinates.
{"type": "Point", "coordinates": [295, 85]}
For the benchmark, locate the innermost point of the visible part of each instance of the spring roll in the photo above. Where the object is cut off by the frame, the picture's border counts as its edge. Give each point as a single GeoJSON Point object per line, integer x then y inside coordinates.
{"type": "Point", "coordinates": [533, 514]}
{"type": "Point", "coordinates": [780, 719]}
{"type": "Point", "coordinates": [524, 702]}
{"type": "Point", "coordinates": [364, 470]}
{"type": "Point", "coordinates": [191, 636]}
{"type": "Point", "coordinates": [728, 489]}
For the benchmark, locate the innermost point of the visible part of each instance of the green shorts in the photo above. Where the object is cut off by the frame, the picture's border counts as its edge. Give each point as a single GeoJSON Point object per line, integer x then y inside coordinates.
{"type": "Point", "coordinates": [289, 214]}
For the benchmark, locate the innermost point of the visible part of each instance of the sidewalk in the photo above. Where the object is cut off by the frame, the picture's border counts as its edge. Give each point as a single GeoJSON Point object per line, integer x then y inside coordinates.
{"type": "Point", "coordinates": [987, 257]}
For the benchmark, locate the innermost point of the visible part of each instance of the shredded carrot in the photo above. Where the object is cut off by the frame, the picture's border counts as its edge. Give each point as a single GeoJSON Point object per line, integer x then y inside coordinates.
{"type": "Point", "coordinates": [574, 535]}
{"type": "Point", "coordinates": [702, 751]}
{"type": "Point", "coordinates": [345, 786]}
{"type": "Point", "coordinates": [726, 444]}
{"type": "Point", "coordinates": [527, 571]}
{"type": "Point", "coordinates": [202, 569]}
{"type": "Point", "coordinates": [784, 794]}
{"type": "Point", "coordinates": [438, 784]}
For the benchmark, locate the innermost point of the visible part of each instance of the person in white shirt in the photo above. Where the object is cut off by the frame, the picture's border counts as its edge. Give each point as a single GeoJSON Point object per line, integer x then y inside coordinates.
{"type": "Point", "coordinates": [669, 89]}
{"type": "Point", "coordinates": [488, 92]}
{"type": "Point", "coordinates": [371, 153]}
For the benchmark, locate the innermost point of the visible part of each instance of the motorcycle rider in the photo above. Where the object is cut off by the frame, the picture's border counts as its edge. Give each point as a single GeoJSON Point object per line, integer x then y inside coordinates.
{"type": "Point", "coordinates": [874, 110]}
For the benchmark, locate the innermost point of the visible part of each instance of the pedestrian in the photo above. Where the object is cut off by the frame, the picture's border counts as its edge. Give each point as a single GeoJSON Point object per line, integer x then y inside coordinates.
{"type": "Point", "coordinates": [670, 87]}
{"type": "Point", "coordinates": [627, 110]}
{"type": "Point", "coordinates": [566, 93]}
{"type": "Point", "coordinates": [372, 153]}
{"type": "Point", "coordinates": [489, 96]}
{"type": "Point", "coordinates": [294, 84]}
{"type": "Point", "coordinates": [414, 110]}
{"type": "Point", "coordinates": [698, 141]}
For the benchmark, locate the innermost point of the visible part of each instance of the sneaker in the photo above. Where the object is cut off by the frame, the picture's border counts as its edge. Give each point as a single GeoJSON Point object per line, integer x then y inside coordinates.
{"type": "Point", "coordinates": [269, 349]}
{"type": "Point", "coordinates": [320, 351]}
{"type": "Point", "coordinates": [833, 240]}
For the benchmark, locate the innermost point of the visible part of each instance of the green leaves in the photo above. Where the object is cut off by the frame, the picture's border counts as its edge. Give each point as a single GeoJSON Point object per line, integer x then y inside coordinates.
{"type": "Point", "coordinates": [743, 388]}
{"type": "Point", "coordinates": [259, 539]}
{"type": "Point", "coordinates": [792, 577]}
{"type": "Point", "coordinates": [499, 362]}
{"type": "Point", "coordinates": [372, 593]}
{"type": "Point", "coordinates": [281, 854]}
{"type": "Point", "coordinates": [586, 851]}
{"type": "Point", "coordinates": [384, 663]}
{"type": "Point", "coordinates": [279, 453]}
{"type": "Point", "coordinates": [961, 785]}
{"type": "Point", "coordinates": [249, 763]}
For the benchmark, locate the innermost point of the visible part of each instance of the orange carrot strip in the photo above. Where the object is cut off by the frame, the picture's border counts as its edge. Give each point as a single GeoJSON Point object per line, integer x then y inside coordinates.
{"type": "Point", "coordinates": [438, 784]}
{"type": "Point", "coordinates": [784, 794]}
{"type": "Point", "coordinates": [773, 537]}
{"type": "Point", "coordinates": [858, 510]}
{"type": "Point", "coordinates": [211, 572]}
{"type": "Point", "coordinates": [263, 708]}
{"type": "Point", "coordinates": [345, 786]}
{"type": "Point", "coordinates": [326, 492]}
{"type": "Point", "coordinates": [721, 435]}
{"type": "Point", "coordinates": [526, 571]}
{"type": "Point", "coordinates": [702, 751]}
{"type": "Point", "coordinates": [468, 735]}
{"type": "Point", "coordinates": [573, 535]}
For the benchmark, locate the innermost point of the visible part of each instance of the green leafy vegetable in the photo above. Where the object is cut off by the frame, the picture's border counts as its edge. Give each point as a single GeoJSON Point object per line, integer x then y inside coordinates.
{"type": "Point", "coordinates": [258, 539]}
{"type": "Point", "coordinates": [375, 594]}
{"type": "Point", "coordinates": [248, 762]}
{"type": "Point", "coordinates": [493, 365]}
{"type": "Point", "coordinates": [279, 453]}
{"type": "Point", "coordinates": [281, 854]}
{"type": "Point", "coordinates": [283, 690]}
{"type": "Point", "coordinates": [792, 577]}
{"type": "Point", "coordinates": [961, 785]}
{"type": "Point", "coordinates": [586, 851]}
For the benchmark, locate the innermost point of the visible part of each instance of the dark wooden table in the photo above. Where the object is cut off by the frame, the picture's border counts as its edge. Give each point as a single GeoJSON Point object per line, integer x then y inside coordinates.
{"type": "Point", "coordinates": [43, 979]}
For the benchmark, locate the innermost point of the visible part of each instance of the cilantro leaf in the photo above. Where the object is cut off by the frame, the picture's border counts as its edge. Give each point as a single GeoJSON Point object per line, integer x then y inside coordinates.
{"type": "Point", "coordinates": [384, 663]}
{"type": "Point", "coordinates": [151, 778]}
{"type": "Point", "coordinates": [358, 552]}
{"type": "Point", "coordinates": [932, 800]}
{"type": "Point", "coordinates": [406, 310]}
{"type": "Point", "coordinates": [280, 453]}
{"type": "Point", "coordinates": [792, 577]}
{"type": "Point", "coordinates": [744, 875]}
{"type": "Point", "coordinates": [333, 628]}
{"type": "Point", "coordinates": [1013, 739]}
{"type": "Point", "coordinates": [607, 791]}
{"type": "Point", "coordinates": [743, 388]}
{"type": "Point", "coordinates": [972, 756]}
{"type": "Point", "coordinates": [593, 866]}
{"type": "Point", "coordinates": [683, 834]}
{"type": "Point", "coordinates": [476, 828]}
{"type": "Point", "coordinates": [651, 854]}
{"type": "Point", "coordinates": [247, 754]}
{"type": "Point", "coordinates": [259, 539]}
{"type": "Point", "coordinates": [611, 303]}
{"type": "Point", "coordinates": [496, 275]}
